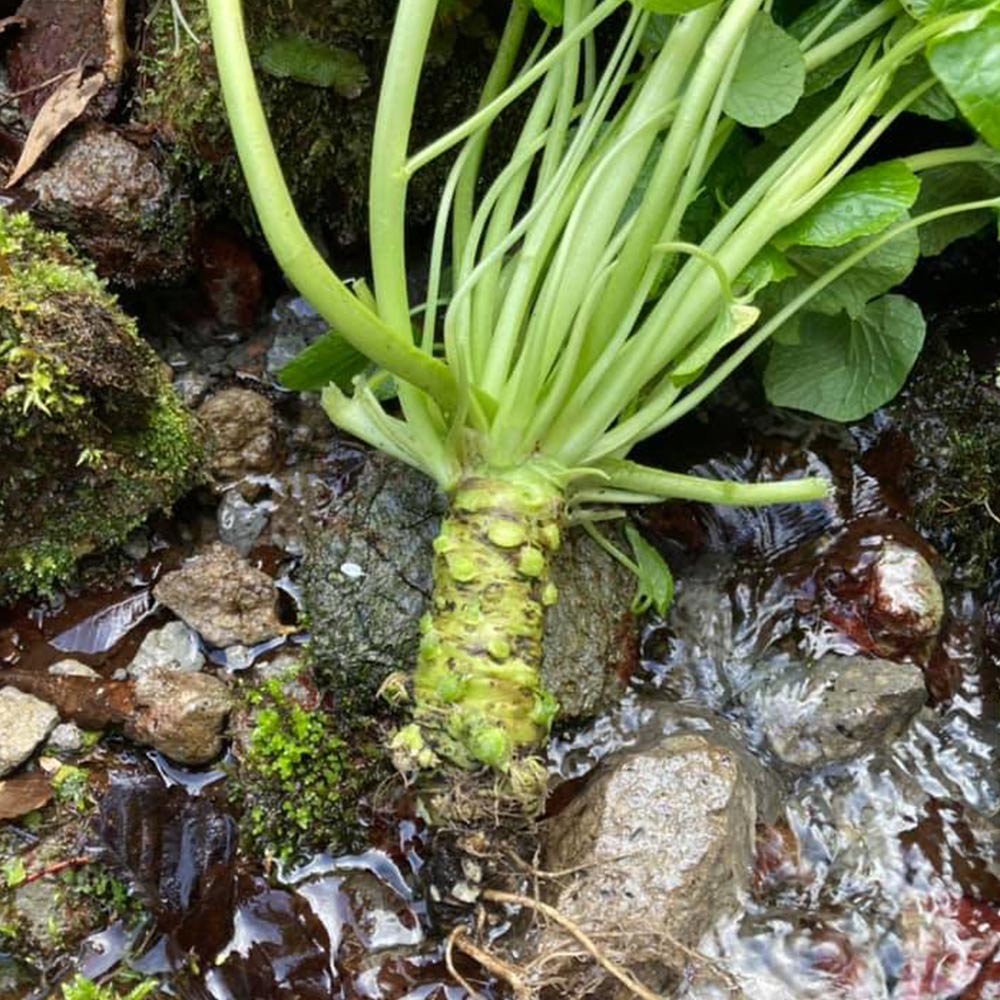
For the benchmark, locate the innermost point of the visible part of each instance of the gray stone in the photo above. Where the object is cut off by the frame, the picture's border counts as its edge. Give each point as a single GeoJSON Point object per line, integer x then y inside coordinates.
{"type": "Point", "coordinates": [25, 722]}
{"type": "Point", "coordinates": [240, 522]}
{"type": "Point", "coordinates": [174, 647]}
{"type": "Point", "coordinates": [67, 737]}
{"type": "Point", "coordinates": [240, 426]}
{"type": "Point", "coordinates": [181, 715]}
{"type": "Point", "coordinates": [591, 643]}
{"type": "Point", "coordinates": [660, 844]}
{"type": "Point", "coordinates": [836, 708]}
{"type": "Point", "coordinates": [367, 580]}
{"type": "Point", "coordinates": [222, 597]}
{"type": "Point", "coordinates": [72, 668]}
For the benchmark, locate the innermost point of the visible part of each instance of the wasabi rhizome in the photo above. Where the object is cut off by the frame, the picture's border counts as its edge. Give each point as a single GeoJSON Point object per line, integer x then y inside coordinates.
{"type": "Point", "coordinates": [691, 182]}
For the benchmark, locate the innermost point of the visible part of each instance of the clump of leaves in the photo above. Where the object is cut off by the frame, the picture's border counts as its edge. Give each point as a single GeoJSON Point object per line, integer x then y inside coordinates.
{"type": "Point", "coordinates": [298, 781]}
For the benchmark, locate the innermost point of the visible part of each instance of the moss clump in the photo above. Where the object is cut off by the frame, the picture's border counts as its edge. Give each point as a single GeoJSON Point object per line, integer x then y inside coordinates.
{"type": "Point", "coordinates": [92, 434]}
{"type": "Point", "coordinates": [298, 780]}
{"type": "Point", "coordinates": [80, 988]}
{"type": "Point", "coordinates": [951, 414]}
{"type": "Point", "coordinates": [322, 133]}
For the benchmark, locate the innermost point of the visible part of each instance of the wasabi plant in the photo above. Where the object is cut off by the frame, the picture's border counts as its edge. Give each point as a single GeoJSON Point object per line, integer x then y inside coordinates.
{"type": "Point", "coordinates": [691, 182]}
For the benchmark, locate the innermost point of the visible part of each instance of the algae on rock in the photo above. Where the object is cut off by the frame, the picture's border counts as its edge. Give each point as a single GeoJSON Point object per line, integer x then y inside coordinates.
{"type": "Point", "coordinates": [93, 436]}
{"type": "Point", "coordinates": [319, 85]}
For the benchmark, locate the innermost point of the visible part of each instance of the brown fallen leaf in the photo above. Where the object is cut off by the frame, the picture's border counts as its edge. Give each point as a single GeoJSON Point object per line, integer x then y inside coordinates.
{"type": "Point", "coordinates": [23, 794]}
{"type": "Point", "coordinates": [63, 106]}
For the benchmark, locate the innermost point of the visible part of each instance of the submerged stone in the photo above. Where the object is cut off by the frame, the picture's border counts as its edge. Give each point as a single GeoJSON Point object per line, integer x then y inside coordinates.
{"type": "Point", "coordinates": [837, 708]}
{"type": "Point", "coordinates": [92, 435]}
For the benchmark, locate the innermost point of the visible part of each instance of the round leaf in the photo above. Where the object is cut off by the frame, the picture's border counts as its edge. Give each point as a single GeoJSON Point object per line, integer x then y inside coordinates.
{"type": "Point", "coordinates": [769, 78]}
{"type": "Point", "coordinates": [843, 368]}
{"type": "Point", "coordinates": [968, 64]}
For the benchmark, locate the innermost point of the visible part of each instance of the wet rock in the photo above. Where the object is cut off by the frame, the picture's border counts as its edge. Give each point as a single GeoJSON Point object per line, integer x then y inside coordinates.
{"type": "Point", "coordinates": [222, 597]}
{"type": "Point", "coordinates": [71, 668]}
{"type": "Point", "coordinates": [92, 436]}
{"type": "Point", "coordinates": [240, 426]}
{"type": "Point", "coordinates": [294, 325]}
{"type": "Point", "coordinates": [67, 738]}
{"type": "Point", "coordinates": [25, 721]}
{"type": "Point", "coordinates": [907, 601]}
{"type": "Point", "coordinates": [661, 844]}
{"type": "Point", "coordinates": [181, 715]}
{"type": "Point", "coordinates": [173, 647]}
{"type": "Point", "coordinates": [591, 638]}
{"type": "Point", "coordinates": [115, 202]}
{"type": "Point", "coordinates": [367, 580]}
{"type": "Point", "coordinates": [836, 708]}
{"type": "Point", "coordinates": [241, 523]}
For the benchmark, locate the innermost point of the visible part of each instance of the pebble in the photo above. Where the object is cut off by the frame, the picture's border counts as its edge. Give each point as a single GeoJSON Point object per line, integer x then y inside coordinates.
{"type": "Point", "coordinates": [25, 722]}
{"type": "Point", "coordinates": [72, 668]}
{"type": "Point", "coordinates": [174, 646]}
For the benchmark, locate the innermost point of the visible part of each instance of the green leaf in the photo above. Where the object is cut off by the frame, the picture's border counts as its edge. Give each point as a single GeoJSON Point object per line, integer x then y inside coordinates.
{"type": "Point", "coordinates": [656, 582]}
{"type": "Point", "coordinates": [328, 359]}
{"type": "Point", "coordinates": [845, 367]}
{"type": "Point", "coordinates": [843, 62]}
{"type": "Point", "coordinates": [862, 204]}
{"type": "Point", "coordinates": [550, 11]}
{"type": "Point", "coordinates": [656, 34]}
{"type": "Point", "coordinates": [968, 64]}
{"type": "Point", "coordinates": [671, 6]}
{"type": "Point", "coordinates": [952, 185]}
{"type": "Point", "coordinates": [769, 77]}
{"type": "Point", "coordinates": [767, 268]}
{"type": "Point", "coordinates": [922, 10]}
{"type": "Point", "coordinates": [306, 60]}
{"type": "Point", "coordinates": [881, 270]}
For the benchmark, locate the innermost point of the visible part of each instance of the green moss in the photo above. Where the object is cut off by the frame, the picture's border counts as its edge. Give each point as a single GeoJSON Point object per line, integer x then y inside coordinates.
{"type": "Point", "coordinates": [93, 435]}
{"type": "Point", "coordinates": [951, 414]}
{"type": "Point", "coordinates": [298, 780]}
{"type": "Point", "coordinates": [322, 131]}
{"type": "Point", "coordinates": [81, 988]}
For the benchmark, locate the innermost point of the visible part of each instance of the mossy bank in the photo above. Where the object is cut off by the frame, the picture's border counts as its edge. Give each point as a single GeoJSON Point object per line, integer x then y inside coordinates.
{"type": "Point", "coordinates": [319, 82]}
{"type": "Point", "coordinates": [92, 435]}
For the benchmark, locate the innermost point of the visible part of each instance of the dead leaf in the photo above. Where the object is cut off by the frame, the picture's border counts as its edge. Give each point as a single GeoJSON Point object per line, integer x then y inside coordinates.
{"type": "Point", "coordinates": [63, 106]}
{"type": "Point", "coordinates": [23, 794]}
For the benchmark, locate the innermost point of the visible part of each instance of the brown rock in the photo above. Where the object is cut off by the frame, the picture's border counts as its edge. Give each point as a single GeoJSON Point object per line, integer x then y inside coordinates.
{"type": "Point", "coordinates": [113, 199]}
{"type": "Point", "coordinates": [223, 597]}
{"type": "Point", "coordinates": [240, 425]}
{"type": "Point", "coordinates": [181, 715]}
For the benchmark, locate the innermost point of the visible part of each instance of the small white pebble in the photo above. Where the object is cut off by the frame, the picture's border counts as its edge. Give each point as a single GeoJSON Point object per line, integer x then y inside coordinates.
{"type": "Point", "coordinates": [352, 570]}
